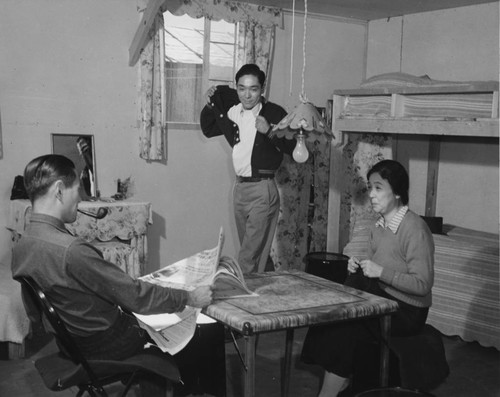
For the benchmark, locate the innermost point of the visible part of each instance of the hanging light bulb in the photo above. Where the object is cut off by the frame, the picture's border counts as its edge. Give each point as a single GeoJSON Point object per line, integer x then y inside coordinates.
{"type": "Point", "coordinates": [304, 120]}
{"type": "Point", "coordinates": [300, 153]}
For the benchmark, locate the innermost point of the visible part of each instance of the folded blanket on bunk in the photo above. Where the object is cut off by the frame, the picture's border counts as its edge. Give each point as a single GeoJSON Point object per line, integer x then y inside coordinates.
{"type": "Point", "coordinates": [399, 79]}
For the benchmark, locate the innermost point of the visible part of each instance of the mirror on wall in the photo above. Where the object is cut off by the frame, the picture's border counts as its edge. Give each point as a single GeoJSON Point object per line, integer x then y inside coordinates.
{"type": "Point", "coordinates": [81, 150]}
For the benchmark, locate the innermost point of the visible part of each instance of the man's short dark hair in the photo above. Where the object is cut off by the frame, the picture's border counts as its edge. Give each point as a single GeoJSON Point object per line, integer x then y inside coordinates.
{"type": "Point", "coordinates": [43, 171]}
{"type": "Point", "coordinates": [394, 173]}
{"type": "Point", "coordinates": [254, 70]}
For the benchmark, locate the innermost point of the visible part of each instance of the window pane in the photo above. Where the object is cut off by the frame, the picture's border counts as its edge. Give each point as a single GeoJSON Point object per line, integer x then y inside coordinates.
{"type": "Point", "coordinates": [222, 50]}
{"type": "Point", "coordinates": [184, 54]}
{"type": "Point", "coordinates": [184, 65]}
{"type": "Point", "coordinates": [183, 38]}
{"type": "Point", "coordinates": [184, 92]}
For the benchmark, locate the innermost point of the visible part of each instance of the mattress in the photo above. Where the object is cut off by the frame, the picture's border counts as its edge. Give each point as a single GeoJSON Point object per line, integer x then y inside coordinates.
{"type": "Point", "coordinates": [466, 290]}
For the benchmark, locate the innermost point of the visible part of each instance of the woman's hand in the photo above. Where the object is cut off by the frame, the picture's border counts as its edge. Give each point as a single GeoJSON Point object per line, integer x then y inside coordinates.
{"type": "Point", "coordinates": [370, 269]}
{"type": "Point", "coordinates": [208, 95]}
{"type": "Point", "coordinates": [353, 265]}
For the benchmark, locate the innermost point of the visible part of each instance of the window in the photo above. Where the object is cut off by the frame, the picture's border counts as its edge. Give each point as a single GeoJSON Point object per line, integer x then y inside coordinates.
{"type": "Point", "coordinates": [199, 53]}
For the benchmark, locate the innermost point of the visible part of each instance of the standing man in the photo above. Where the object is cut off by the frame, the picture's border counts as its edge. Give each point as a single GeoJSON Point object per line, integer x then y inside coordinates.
{"type": "Point", "coordinates": [245, 118]}
{"type": "Point", "coordinates": [88, 291]}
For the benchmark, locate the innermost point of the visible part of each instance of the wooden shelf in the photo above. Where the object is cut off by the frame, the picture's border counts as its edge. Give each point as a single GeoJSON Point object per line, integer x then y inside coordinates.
{"type": "Point", "coordinates": [419, 126]}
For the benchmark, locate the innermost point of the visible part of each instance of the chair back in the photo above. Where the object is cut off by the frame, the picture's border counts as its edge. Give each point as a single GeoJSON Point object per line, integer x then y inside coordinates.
{"type": "Point", "coordinates": [61, 333]}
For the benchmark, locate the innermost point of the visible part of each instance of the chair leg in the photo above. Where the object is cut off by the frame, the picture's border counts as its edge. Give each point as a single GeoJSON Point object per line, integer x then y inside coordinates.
{"type": "Point", "coordinates": [96, 391]}
{"type": "Point", "coordinates": [169, 389]}
{"type": "Point", "coordinates": [130, 382]}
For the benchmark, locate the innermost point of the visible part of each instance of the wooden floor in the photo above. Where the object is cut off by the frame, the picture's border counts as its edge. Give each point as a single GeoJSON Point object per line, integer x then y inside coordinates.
{"type": "Point", "coordinates": [474, 371]}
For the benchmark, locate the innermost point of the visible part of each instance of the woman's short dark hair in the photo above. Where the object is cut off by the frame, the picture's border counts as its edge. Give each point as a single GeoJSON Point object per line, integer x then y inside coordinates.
{"type": "Point", "coordinates": [394, 173]}
{"type": "Point", "coordinates": [254, 70]}
{"type": "Point", "coordinates": [43, 171]}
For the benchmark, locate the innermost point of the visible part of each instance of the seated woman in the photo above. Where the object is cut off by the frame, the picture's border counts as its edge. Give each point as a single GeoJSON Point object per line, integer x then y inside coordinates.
{"type": "Point", "coordinates": [399, 266]}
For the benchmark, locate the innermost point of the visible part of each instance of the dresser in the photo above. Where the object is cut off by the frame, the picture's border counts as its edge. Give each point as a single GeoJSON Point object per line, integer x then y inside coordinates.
{"type": "Point", "coordinates": [121, 235]}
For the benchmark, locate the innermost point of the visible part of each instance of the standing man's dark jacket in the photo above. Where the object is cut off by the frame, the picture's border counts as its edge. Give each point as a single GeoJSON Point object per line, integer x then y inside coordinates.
{"type": "Point", "coordinates": [267, 153]}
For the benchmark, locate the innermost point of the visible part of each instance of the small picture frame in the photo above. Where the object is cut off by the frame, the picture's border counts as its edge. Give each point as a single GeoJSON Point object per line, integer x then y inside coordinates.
{"type": "Point", "coordinates": [321, 111]}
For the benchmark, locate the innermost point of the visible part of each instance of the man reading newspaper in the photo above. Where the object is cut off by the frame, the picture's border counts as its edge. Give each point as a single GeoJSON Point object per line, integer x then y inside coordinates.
{"type": "Point", "coordinates": [91, 295]}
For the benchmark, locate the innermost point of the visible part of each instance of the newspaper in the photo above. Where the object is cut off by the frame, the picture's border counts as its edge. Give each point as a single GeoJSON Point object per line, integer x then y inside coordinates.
{"type": "Point", "coordinates": [172, 331]}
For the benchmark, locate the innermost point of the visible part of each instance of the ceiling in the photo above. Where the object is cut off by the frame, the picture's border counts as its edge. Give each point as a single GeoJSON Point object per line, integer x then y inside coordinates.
{"type": "Point", "coordinates": [368, 9]}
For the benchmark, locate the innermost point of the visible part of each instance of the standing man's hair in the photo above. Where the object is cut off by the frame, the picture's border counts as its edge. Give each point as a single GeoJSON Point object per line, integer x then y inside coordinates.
{"type": "Point", "coordinates": [43, 171]}
{"type": "Point", "coordinates": [254, 70]}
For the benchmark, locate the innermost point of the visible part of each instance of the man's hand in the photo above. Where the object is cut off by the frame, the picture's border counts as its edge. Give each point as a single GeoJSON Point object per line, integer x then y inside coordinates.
{"type": "Point", "coordinates": [262, 125]}
{"type": "Point", "coordinates": [200, 297]}
{"type": "Point", "coordinates": [209, 94]}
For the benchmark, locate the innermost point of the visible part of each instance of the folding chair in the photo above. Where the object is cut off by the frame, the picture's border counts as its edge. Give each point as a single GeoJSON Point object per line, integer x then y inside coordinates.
{"type": "Point", "coordinates": [61, 371]}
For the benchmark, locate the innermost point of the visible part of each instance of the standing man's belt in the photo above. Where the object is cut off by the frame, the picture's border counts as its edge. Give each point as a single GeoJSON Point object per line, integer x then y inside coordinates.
{"type": "Point", "coordinates": [258, 175]}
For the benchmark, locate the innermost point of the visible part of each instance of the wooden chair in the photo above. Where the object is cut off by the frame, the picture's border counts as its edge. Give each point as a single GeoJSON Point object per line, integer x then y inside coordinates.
{"type": "Point", "coordinates": [61, 371]}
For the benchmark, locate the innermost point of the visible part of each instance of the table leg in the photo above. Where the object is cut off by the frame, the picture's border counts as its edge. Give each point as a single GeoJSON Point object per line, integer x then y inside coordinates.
{"type": "Point", "coordinates": [250, 342]}
{"type": "Point", "coordinates": [385, 328]}
{"type": "Point", "coordinates": [286, 372]}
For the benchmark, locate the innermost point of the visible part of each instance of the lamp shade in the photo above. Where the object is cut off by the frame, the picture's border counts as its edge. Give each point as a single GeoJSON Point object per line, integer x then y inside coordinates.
{"type": "Point", "coordinates": [304, 117]}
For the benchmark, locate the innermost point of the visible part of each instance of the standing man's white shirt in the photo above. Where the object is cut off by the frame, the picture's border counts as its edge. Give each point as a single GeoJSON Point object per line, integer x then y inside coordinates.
{"type": "Point", "coordinates": [242, 151]}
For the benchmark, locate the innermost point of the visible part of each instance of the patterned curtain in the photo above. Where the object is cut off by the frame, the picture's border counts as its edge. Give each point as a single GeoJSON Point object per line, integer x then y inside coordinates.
{"type": "Point", "coordinates": [321, 173]}
{"type": "Point", "coordinates": [290, 241]}
{"type": "Point", "coordinates": [256, 45]}
{"type": "Point", "coordinates": [361, 152]}
{"type": "Point", "coordinates": [229, 11]}
{"type": "Point", "coordinates": [152, 103]}
{"type": "Point", "coordinates": [302, 227]}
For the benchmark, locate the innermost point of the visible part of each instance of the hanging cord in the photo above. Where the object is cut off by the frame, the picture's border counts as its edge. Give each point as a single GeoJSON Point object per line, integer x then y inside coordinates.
{"type": "Point", "coordinates": [291, 50]}
{"type": "Point", "coordinates": [303, 97]}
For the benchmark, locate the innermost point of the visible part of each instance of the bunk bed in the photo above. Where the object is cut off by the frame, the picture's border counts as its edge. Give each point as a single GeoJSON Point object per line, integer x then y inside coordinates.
{"type": "Point", "coordinates": [466, 289]}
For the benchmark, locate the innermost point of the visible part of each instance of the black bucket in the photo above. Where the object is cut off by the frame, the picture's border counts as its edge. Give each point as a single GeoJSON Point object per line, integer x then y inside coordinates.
{"type": "Point", "coordinates": [393, 392]}
{"type": "Point", "coordinates": [328, 265]}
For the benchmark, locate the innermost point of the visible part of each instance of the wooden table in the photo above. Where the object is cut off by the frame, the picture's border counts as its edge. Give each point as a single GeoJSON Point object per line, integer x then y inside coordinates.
{"type": "Point", "coordinates": [289, 300]}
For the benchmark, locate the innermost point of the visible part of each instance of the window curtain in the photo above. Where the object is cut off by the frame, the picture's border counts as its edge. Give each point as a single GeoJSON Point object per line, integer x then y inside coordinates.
{"type": "Point", "coordinates": [361, 152]}
{"type": "Point", "coordinates": [255, 44]}
{"type": "Point", "coordinates": [302, 223]}
{"type": "Point", "coordinates": [152, 102]}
